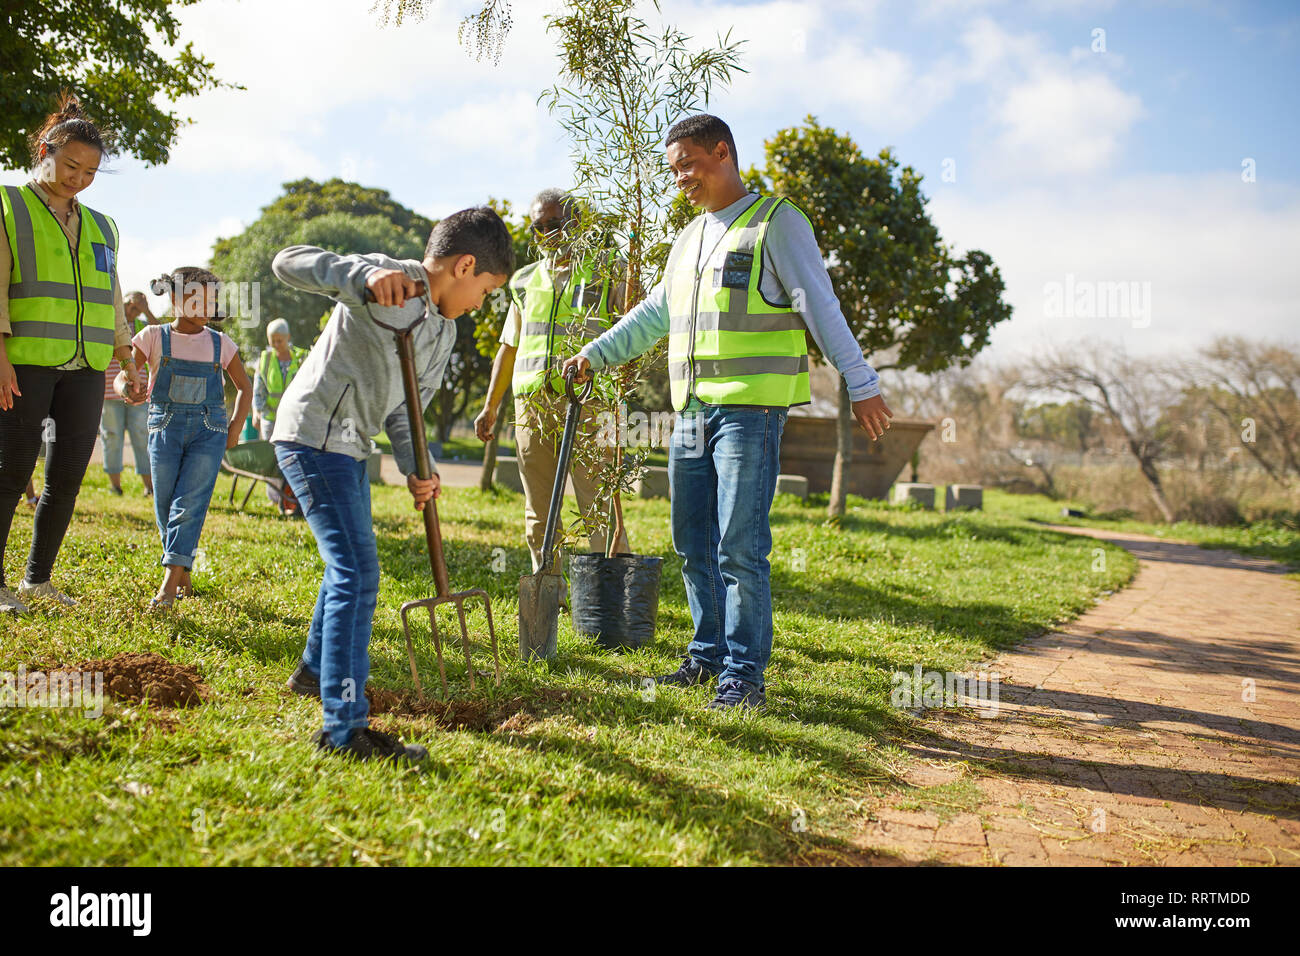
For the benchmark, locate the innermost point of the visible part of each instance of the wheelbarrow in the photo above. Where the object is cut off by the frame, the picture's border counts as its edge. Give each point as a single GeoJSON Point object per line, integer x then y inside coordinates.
{"type": "Point", "coordinates": [255, 461]}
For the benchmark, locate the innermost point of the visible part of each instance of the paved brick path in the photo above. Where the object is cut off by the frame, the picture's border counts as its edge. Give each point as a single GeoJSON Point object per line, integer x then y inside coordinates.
{"type": "Point", "coordinates": [1124, 738]}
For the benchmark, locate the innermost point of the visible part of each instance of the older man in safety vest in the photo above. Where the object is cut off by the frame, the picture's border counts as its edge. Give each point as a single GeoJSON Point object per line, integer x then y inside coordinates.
{"type": "Point", "coordinates": [551, 300]}
{"type": "Point", "coordinates": [743, 281]}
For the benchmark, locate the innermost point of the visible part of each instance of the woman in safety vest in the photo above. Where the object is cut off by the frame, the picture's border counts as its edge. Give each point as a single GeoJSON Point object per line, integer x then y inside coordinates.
{"type": "Point", "coordinates": [61, 321]}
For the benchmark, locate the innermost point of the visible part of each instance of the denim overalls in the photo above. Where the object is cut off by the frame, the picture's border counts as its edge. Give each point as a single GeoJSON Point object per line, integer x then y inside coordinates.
{"type": "Point", "coordinates": [187, 440]}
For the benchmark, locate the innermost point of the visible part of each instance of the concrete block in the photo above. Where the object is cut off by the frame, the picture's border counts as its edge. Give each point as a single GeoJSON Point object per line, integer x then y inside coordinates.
{"type": "Point", "coordinates": [653, 484]}
{"type": "Point", "coordinates": [918, 492]}
{"type": "Point", "coordinates": [792, 485]}
{"type": "Point", "coordinates": [963, 498]}
{"type": "Point", "coordinates": [507, 473]}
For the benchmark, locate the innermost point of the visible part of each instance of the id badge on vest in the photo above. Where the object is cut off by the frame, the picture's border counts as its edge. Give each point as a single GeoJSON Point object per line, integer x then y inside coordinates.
{"type": "Point", "coordinates": [735, 272]}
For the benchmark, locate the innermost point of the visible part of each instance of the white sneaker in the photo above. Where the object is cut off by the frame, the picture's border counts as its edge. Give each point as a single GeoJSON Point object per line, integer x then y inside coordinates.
{"type": "Point", "coordinates": [47, 591]}
{"type": "Point", "coordinates": [10, 604]}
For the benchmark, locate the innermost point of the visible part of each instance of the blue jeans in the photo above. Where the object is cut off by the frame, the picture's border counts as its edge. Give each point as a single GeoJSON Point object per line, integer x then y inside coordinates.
{"type": "Point", "coordinates": [186, 444]}
{"type": "Point", "coordinates": [117, 421]}
{"type": "Point", "coordinates": [722, 466]}
{"type": "Point", "coordinates": [333, 491]}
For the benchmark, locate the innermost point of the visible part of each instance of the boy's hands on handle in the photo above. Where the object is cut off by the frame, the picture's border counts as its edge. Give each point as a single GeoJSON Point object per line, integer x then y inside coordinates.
{"type": "Point", "coordinates": [581, 369]}
{"type": "Point", "coordinates": [423, 489]}
{"type": "Point", "coordinates": [8, 381]}
{"type": "Point", "coordinates": [392, 287]}
{"type": "Point", "coordinates": [873, 415]}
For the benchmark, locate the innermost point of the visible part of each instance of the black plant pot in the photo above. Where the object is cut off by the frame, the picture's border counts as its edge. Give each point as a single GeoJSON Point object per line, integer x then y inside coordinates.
{"type": "Point", "coordinates": [615, 600]}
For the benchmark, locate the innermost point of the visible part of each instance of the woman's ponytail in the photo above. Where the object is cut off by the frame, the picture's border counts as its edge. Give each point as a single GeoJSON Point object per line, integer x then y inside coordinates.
{"type": "Point", "coordinates": [69, 124]}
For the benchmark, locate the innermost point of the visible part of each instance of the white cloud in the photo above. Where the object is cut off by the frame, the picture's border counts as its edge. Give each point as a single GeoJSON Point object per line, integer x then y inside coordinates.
{"type": "Point", "coordinates": [1218, 255]}
{"type": "Point", "coordinates": [1057, 123]}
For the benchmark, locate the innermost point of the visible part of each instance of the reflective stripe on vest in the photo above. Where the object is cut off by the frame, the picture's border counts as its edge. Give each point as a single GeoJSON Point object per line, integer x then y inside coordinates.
{"type": "Point", "coordinates": [59, 295]}
{"type": "Point", "coordinates": [547, 321]}
{"type": "Point", "coordinates": [726, 343]}
{"type": "Point", "coordinates": [269, 364]}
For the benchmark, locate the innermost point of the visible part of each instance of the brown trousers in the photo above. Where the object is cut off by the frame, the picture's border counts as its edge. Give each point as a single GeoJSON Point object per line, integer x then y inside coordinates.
{"type": "Point", "coordinates": [538, 458]}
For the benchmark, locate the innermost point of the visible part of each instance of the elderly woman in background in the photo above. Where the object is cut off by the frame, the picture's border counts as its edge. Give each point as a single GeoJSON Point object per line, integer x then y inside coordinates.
{"type": "Point", "coordinates": [276, 367]}
{"type": "Point", "coordinates": [118, 418]}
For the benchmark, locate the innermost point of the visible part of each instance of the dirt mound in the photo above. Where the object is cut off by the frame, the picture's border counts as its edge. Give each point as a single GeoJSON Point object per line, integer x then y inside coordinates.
{"type": "Point", "coordinates": [134, 677]}
{"type": "Point", "coordinates": [496, 716]}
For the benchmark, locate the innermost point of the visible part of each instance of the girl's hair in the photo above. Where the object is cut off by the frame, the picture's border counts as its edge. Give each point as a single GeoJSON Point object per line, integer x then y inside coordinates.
{"type": "Point", "coordinates": [70, 124]}
{"type": "Point", "coordinates": [186, 279]}
{"type": "Point", "coordinates": [276, 327]}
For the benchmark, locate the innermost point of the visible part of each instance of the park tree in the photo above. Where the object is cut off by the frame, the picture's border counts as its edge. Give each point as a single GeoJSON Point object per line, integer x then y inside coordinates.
{"type": "Point", "coordinates": [910, 302]}
{"type": "Point", "coordinates": [346, 218]}
{"type": "Point", "coordinates": [1131, 394]}
{"type": "Point", "coordinates": [1254, 389]}
{"type": "Point", "coordinates": [335, 215]}
{"type": "Point", "coordinates": [622, 82]}
{"type": "Point", "coordinates": [109, 55]}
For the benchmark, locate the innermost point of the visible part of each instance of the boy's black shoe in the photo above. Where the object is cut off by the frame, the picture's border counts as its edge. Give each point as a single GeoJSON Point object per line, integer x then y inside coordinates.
{"type": "Point", "coordinates": [736, 693]}
{"type": "Point", "coordinates": [367, 744]}
{"type": "Point", "coordinates": [304, 682]}
{"type": "Point", "coordinates": [688, 675]}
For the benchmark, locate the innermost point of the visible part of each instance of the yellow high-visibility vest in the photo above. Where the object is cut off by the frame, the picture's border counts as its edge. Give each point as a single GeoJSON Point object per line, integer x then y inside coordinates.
{"type": "Point", "coordinates": [726, 343]}
{"type": "Point", "coordinates": [269, 368]}
{"type": "Point", "coordinates": [547, 319]}
{"type": "Point", "coordinates": [60, 294]}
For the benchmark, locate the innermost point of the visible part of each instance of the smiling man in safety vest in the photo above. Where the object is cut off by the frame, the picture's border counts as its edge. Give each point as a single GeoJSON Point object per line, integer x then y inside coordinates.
{"type": "Point", "coordinates": [743, 281]}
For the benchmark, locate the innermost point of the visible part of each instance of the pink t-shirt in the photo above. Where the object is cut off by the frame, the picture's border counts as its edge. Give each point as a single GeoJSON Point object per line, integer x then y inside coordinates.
{"type": "Point", "coordinates": [196, 348]}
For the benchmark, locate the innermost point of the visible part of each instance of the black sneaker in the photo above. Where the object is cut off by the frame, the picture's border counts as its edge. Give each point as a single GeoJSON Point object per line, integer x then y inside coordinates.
{"type": "Point", "coordinates": [688, 675]}
{"type": "Point", "coordinates": [304, 682]}
{"type": "Point", "coordinates": [367, 744]}
{"type": "Point", "coordinates": [736, 693]}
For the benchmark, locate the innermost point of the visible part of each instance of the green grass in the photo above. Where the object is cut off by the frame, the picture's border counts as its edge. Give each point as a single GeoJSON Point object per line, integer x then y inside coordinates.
{"type": "Point", "coordinates": [1262, 539]}
{"type": "Point", "coordinates": [567, 762]}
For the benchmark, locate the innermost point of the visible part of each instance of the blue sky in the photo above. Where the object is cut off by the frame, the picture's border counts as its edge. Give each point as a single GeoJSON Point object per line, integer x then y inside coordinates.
{"type": "Point", "coordinates": [1072, 165]}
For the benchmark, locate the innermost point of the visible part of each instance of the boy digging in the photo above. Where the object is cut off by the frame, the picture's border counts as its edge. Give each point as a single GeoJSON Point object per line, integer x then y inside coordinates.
{"type": "Point", "coordinates": [348, 388]}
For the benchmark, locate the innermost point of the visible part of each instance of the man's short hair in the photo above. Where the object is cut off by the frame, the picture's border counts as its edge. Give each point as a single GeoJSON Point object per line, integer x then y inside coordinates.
{"type": "Point", "coordinates": [706, 131]}
{"type": "Point", "coordinates": [553, 194]}
{"type": "Point", "coordinates": [477, 232]}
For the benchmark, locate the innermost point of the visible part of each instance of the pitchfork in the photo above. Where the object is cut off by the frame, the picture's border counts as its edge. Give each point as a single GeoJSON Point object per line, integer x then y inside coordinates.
{"type": "Point", "coordinates": [432, 530]}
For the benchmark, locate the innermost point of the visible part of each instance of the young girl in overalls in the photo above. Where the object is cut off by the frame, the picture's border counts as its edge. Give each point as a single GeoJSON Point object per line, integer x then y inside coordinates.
{"type": "Point", "coordinates": [189, 431]}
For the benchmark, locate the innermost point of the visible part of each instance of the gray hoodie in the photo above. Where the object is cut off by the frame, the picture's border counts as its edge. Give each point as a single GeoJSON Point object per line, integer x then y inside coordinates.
{"type": "Point", "coordinates": [350, 385]}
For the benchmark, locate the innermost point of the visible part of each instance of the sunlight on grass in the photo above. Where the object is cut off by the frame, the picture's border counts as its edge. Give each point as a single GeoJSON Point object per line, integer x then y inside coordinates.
{"type": "Point", "coordinates": [567, 762]}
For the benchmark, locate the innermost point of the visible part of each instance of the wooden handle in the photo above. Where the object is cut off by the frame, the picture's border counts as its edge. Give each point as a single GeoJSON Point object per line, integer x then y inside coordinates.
{"type": "Point", "coordinates": [420, 446]}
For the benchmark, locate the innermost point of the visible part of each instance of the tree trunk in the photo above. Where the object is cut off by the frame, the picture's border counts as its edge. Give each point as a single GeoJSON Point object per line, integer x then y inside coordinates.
{"type": "Point", "coordinates": [843, 455]}
{"type": "Point", "coordinates": [1148, 466]}
{"type": "Point", "coordinates": [446, 414]}
{"type": "Point", "coordinates": [490, 449]}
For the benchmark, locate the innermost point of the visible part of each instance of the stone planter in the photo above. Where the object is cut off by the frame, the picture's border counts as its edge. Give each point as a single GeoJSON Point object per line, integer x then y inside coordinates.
{"type": "Point", "coordinates": [808, 449]}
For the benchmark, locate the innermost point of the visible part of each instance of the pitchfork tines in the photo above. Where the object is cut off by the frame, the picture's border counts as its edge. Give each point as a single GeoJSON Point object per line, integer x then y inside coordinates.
{"type": "Point", "coordinates": [458, 599]}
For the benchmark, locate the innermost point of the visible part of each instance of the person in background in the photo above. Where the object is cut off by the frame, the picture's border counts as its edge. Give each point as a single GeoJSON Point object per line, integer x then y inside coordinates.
{"type": "Point", "coordinates": [551, 299]}
{"type": "Point", "coordinates": [120, 418]}
{"type": "Point", "coordinates": [276, 367]}
{"type": "Point", "coordinates": [61, 320]}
